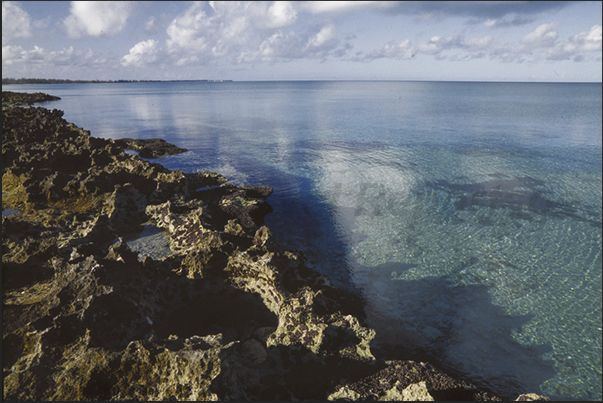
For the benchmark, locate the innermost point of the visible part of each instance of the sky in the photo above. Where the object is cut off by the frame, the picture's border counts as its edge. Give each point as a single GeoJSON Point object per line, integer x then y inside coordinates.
{"type": "Point", "coordinates": [303, 40]}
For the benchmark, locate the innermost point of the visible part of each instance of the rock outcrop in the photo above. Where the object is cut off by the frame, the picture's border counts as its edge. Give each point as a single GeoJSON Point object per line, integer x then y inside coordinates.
{"type": "Point", "coordinates": [10, 99]}
{"type": "Point", "coordinates": [150, 148]}
{"type": "Point", "coordinates": [227, 314]}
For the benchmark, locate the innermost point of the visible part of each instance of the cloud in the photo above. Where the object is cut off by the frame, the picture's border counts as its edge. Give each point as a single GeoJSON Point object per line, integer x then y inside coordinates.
{"type": "Point", "coordinates": [435, 46]}
{"type": "Point", "coordinates": [392, 50]}
{"type": "Point", "coordinates": [516, 12]}
{"type": "Point", "coordinates": [283, 47]}
{"type": "Point", "coordinates": [96, 18]}
{"type": "Point", "coordinates": [321, 7]}
{"type": "Point", "coordinates": [543, 43]}
{"type": "Point", "coordinates": [151, 25]}
{"type": "Point", "coordinates": [39, 56]}
{"type": "Point", "coordinates": [281, 14]}
{"type": "Point", "coordinates": [507, 21]}
{"type": "Point", "coordinates": [544, 36]}
{"type": "Point", "coordinates": [248, 32]}
{"type": "Point", "coordinates": [588, 41]}
{"type": "Point", "coordinates": [577, 46]}
{"type": "Point", "coordinates": [10, 54]}
{"type": "Point", "coordinates": [322, 42]}
{"type": "Point", "coordinates": [15, 22]}
{"type": "Point", "coordinates": [143, 53]}
{"type": "Point", "coordinates": [438, 44]}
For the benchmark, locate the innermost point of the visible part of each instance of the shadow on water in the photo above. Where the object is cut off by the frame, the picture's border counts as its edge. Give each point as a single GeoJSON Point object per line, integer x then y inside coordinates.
{"type": "Point", "coordinates": [457, 328]}
{"type": "Point", "coordinates": [306, 222]}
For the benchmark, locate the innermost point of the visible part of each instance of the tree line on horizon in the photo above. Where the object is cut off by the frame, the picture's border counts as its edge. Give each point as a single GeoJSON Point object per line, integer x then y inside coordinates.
{"type": "Point", "coordinates": [65, 81]}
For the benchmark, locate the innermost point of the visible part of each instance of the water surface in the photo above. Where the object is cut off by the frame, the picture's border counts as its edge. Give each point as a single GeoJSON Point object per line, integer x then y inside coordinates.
{"type": "Point", "coordinates": [467, 214]}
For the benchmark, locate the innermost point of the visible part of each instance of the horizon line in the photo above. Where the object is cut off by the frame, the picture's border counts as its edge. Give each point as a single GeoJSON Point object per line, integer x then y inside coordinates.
{"type": "Point", "coordinates": [121, 81]}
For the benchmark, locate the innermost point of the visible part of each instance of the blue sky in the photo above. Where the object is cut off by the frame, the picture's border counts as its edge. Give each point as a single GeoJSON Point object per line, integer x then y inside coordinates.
{"type": "Point", "coordinates": [303, 40]}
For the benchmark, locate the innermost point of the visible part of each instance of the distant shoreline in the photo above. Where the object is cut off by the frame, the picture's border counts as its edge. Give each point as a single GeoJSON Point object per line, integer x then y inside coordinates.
{"type": "Point", "coordinates": [18, 81]}
{"type": "Point", "coordinates": [8, 81]}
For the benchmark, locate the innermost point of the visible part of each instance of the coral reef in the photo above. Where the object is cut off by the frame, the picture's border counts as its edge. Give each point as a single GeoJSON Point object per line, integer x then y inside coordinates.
{"type": "Point", "coordinates": [227, 314]}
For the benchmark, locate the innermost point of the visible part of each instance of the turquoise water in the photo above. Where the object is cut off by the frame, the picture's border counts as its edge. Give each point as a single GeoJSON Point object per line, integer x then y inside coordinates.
{"type": "Point", "coordinates": [467, 214]}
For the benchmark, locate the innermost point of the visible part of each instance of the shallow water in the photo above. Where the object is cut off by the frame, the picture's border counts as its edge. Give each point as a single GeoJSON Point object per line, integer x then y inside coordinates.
{"type": "Point", "coordinates": [467, 214]}
{"type": "Point", "coordinates": [150, 242]}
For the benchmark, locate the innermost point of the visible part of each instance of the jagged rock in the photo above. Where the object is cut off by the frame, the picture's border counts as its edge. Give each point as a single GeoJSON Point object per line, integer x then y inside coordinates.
{"type": "Point", "coordinates": [150, 148]}
{"type": "Point", "coordinates": [409, 380]}
{"type": "Point", "coordinates": [247, 204]}
{"type": "Point", "coordinates": [228, 315]}
{"type": "Point", "coordinates": [414, 392]}
{"type": "Point", "coordinates": [10, 99]}
{"type": "Point", "coordinates": [531, 397]}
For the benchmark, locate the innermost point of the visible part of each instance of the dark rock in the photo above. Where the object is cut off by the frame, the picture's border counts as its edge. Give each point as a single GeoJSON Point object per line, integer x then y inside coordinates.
{"type": "Point", "coordinates": [10, 99]}
{"type": "Point", "coordinates": [150, 148]}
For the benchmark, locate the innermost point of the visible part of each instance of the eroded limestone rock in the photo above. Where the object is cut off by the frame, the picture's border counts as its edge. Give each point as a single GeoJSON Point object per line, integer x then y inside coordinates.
{"type": "Point", "coordinates": [228, 315]}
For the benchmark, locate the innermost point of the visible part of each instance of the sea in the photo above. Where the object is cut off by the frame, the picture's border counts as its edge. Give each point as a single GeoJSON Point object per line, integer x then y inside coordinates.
{"type": "Point", "coordinates": [466, 214]}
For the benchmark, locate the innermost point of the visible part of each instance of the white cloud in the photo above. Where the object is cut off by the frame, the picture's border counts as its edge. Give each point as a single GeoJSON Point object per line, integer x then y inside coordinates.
{"type": "Point", "coordinates": [544, 44]}
{"type": "Point", "coordinates": [320, 7]}
{"type": "Point", "coordinates": [435, 46]}
{"type": "Point", "coordinates": [510, 20]}
{"type": "Point", "coordinates": [322, 42]}
{"type": "Point", "coordinates": [278, 46]}
{"type": "Point", "coordinates": [541, 44]}
{"type": "Point", "coordinates": [491, 13]}
{"type": "Point", "coordinates": [96, 18]}
{"type": "Point", "coordinates": [43, 57]}
{"type": "Point", "coordinates": [151, 25]}
{"type": "Point", "coordinates": [281, 47]}
{"type": "Point", "coordinates": [15, 22]}
{"type": "Point", "coordinates": [11, 54]}
{"type": "Point", "coordinates": [240, 32]}
{"type": "Point", "coordinates": [577, 46]}
{"type": "Point", "coordinates": [544, 36]}
{"type": "Point", "coordinates": [392, 50]}
{"type": "Point", "coordinates": [478, 44]}
{"type": "Point", "coordinates": [188, 30]}
{"type": "Point", "coordinates": [588, 41]}
{"type": "Point", "coordinates": [142, 53]}
{"type": "Point", "coordinates": [281, 14]}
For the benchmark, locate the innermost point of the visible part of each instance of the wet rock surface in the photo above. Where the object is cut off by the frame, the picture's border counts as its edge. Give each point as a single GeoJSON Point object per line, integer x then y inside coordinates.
{"type": "Point", "coordinates": [227, 315]}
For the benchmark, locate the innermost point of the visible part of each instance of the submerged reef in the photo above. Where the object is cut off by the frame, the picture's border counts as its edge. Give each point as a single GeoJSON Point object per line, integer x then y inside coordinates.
{"type": "Point", "coordinates": [226, 314]}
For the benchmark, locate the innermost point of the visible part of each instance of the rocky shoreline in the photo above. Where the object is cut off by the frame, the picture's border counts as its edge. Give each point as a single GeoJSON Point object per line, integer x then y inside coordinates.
{"type": "Point", "coordinates": [227, 314]}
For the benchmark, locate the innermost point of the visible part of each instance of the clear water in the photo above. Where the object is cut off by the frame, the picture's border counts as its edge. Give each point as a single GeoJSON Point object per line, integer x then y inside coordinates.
{"type": "Point", "coordinates": [467, 214]}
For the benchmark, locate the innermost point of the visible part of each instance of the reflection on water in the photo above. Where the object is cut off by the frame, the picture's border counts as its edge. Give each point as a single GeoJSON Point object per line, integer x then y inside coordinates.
{"type": "Point", "coordinates": [467, 214]}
